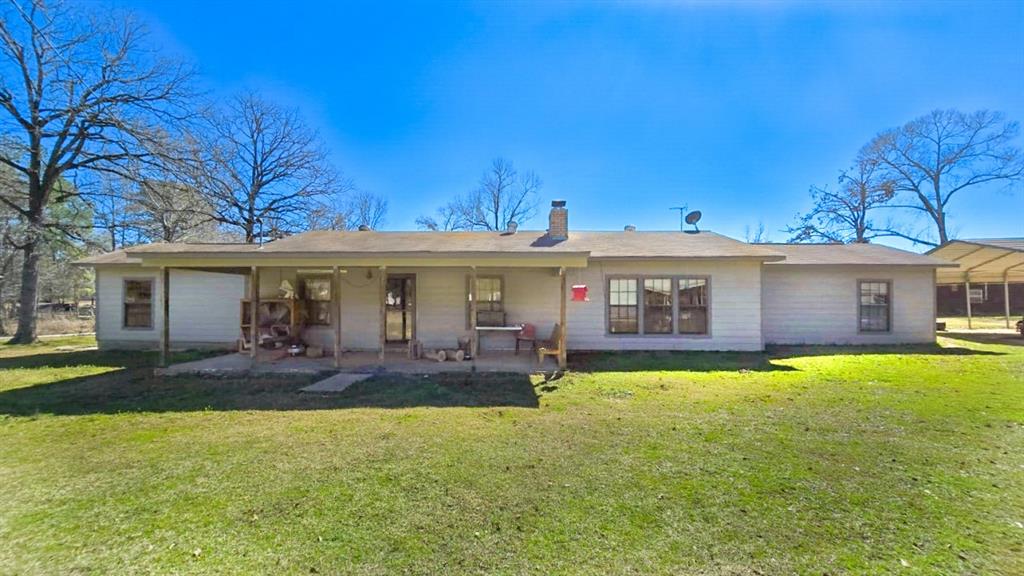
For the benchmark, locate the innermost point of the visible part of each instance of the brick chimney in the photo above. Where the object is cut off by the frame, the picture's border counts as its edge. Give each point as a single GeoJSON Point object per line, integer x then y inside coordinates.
{"type": "Point", "coordinates": [558, 221]}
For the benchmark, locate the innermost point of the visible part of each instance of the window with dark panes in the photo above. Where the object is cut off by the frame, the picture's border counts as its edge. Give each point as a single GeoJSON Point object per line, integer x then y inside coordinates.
{"type": "Point", "coordinates": [875, 306]}
{"type": "Point", "coordinates": [657, 306]}
{"type": "Point", "coordinates": [316, 293]}
{"type": "Point", "coordinates": [623, 311]}
{"type": "Point", "coordinates": [138, 303]}
{"type": "Point", "coordinates": [693, 305]}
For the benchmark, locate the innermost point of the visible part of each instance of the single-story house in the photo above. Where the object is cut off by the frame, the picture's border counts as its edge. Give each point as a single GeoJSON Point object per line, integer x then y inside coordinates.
{"type": "Point", "coordinates": [623, 290]}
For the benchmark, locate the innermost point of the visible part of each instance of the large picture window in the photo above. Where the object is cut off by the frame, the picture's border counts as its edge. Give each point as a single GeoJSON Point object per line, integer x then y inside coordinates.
{"type": "Point", "coordinates": [138, 303]}
{"type": "Point", "coordinates": [693, 305]}
{"type": "Point", "coordinates": [658, 305]}
{"type": "Point", "coordinates": [875, 309]}
{"type": "Point", "coordinates": [316, 292]}
{"type": "Point", "coordinates": [623, 316]}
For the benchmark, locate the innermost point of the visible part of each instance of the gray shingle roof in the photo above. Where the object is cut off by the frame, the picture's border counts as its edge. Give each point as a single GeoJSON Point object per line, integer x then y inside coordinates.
{"type": "Point", "coordinates": [851, 254]}
{"type": "Point", "coordinates": [596, 244]}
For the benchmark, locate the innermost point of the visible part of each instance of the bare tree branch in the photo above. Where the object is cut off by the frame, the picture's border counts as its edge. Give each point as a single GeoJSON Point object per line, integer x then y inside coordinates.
{"type": "Point", "coordinates": [503, 195]}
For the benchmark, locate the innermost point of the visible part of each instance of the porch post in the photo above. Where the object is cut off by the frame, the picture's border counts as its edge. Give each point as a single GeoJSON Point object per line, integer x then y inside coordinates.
{"type": "Point", "coordinates": [474, 337]}
{"type": "Point", "coordinates": [254, 312]}
{"type": "Point", "coordinates": [165, 328]}
{"type": "Point", "coordinates": [967, 294]}
{"type": "Point", "coordinates": [1006, 297]}
{"type": "Point", "coordinates": [562, 348]}
{"type": "Point", "coordinates": [336, 313]}
{"type": "Point", "coordinates": [383, 271]}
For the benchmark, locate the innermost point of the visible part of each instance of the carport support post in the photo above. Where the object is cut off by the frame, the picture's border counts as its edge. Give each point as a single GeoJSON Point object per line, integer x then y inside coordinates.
{"type": "Point", "coordinates": [336, 313]}
{"type": "Point", "coordinates": [254, 312]}
{"type": "Point", "coordinates": [383, 272]}
{"type": "Point", "coordinates": [1006, 297]}
{"type": "Point", "coordinates": [562, 348]}
{"type": "Point", "coordinates": [165, 327]}
{"type": "Point", "coordinates": [474, 336]}
{"type": "Point", "coordinates": [967, 294]}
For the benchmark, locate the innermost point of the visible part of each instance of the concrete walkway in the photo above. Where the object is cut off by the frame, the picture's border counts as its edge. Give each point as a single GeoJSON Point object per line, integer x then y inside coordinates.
{"type": "Point", "coordinates": [335, 384]}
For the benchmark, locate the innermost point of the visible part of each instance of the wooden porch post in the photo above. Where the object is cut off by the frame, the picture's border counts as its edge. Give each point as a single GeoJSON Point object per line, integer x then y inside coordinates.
{"type": "Point", "coordinates": [383, 271]}
{"type": "Point", "coordinates": [254, 312]}
{"type": "Point", "coordinates": [1006, 297]}
{"type": "Point", "coordinates": [562, 348]}
{"type": "Point", "coordinates": [967, 294]}
{"type": "Point", "coordinates": [165, 328]}
{"type": "Point", "coordinates": [474, 336]}
{"type": "Point", "coordinates": [336, 313]}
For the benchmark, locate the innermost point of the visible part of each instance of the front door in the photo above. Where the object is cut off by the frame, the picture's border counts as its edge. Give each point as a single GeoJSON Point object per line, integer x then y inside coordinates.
{"type": "Point", "coordinates": [400, 304]}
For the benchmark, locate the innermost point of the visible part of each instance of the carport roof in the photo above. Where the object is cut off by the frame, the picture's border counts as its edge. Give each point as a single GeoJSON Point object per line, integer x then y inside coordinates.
{"type": "Point", "coordinates": [981, 260]}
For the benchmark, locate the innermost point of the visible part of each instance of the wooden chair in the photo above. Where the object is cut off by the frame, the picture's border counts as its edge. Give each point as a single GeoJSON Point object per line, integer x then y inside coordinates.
{"type": "Point", "coordinates": [551, 347]}
{"type": "Point", "coordinates": [527, 333]}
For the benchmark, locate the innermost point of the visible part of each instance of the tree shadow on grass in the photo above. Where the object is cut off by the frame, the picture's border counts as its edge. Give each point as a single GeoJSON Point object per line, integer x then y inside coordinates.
{"type": "Point", "coordinates": [106, 358]}
{"type": "Point", "coordinates": [693, 361]}
{"type": "Point", "coordinates": [137, 390]}
{"type": "Point", "coordinates": [671, 361]}
{"type": "Point", "coordinates": [1004, 338]}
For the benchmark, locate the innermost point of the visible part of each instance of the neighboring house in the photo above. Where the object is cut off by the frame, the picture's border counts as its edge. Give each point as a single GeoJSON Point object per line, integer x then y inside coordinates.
{"type": "Point", "coordinates": [628, 290]}
{"type": "Point", "coordinates": [986, 277]}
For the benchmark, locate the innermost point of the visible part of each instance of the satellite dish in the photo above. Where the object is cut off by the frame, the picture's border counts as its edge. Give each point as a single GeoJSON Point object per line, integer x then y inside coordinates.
{"type": "Point", "coordinates": [692, 218]}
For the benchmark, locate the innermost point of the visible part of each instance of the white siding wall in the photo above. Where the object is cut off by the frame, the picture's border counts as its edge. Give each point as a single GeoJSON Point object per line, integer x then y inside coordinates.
{"type": "Point", "coordinates": [204, 308]}
{"type": "Point", "coordinates": [735, 300]}
{"type": "Point", "coordinates": [801, 305]}
{"type": "Point", "coordinates": [818, 304]}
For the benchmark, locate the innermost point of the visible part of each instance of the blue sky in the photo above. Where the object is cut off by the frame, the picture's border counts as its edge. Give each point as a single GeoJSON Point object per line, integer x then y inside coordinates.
{"type": "Point", "coordinates": [624, 110]}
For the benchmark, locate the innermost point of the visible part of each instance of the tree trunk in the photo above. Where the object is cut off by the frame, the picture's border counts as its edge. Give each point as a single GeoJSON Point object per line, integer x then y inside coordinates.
{"type": "Point", "coordinates": [26, 333]}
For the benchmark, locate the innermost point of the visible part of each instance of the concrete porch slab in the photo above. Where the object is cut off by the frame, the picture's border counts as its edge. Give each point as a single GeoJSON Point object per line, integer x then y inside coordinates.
{"type": "Point", "coordinates": [365, 363]}
{"type": "Point", "coordinates": [336, 383]}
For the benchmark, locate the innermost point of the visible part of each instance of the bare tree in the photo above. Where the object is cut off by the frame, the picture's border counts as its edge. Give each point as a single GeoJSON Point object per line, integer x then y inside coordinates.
{"type": "Point", "coordinates": [846, 214]}
{"type": "Point", "coordinates": [504, 195]}
{"type": "Point", "coordinates": [260, 163]}
{"type": "Point", "coordinates": [931, 159]}
{"type": "Point", "coordinates": [360, 208]}
{"type": "Point", "coordinates": [756, 235]}
{"type": "Point", "coordinates": [77, 95]}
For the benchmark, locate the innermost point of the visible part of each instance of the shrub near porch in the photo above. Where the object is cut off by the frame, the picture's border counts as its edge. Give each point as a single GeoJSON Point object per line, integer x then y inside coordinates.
{"type": "Point", "coordinates": [805, 460]}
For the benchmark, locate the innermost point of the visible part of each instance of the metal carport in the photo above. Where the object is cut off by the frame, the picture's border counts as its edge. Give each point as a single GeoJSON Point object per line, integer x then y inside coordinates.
{"type": "Point", "coordinates": [990, 260]}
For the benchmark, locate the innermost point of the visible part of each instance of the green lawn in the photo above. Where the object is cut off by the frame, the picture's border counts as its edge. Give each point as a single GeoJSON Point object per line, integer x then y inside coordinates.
{"type": "Point", "coordinates": [818, 461]}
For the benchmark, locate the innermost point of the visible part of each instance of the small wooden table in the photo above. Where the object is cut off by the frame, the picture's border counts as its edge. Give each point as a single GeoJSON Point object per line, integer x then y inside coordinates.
{"type": "Point", "coordinates": [483, 329]}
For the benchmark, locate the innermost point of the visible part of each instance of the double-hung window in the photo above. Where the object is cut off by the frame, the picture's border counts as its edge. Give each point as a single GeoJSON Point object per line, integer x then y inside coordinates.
{"type": "Point", "coordinates": [658, 305]}
{"type": "Point", "coordinates": [623, 316]}
{"type": "Point", "coordinates": [875, 306]}
{"type": "Point", "coordinates": [317, 294]}
{"type": "Point", "coordinates": [490, 301]}
{"type": "Point", "coordinates": [693, 305]}
{"type": "Point", "coordinates": [138, 303]}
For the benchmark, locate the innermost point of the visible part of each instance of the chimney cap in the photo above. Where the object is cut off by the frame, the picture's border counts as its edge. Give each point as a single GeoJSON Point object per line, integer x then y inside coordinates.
{"type": "Point", "coordinates": [558, 203]}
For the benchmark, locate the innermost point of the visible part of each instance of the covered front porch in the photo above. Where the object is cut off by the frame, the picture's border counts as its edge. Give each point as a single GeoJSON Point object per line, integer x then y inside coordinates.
{"type": "Point", "coordinates": [368, 318]}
